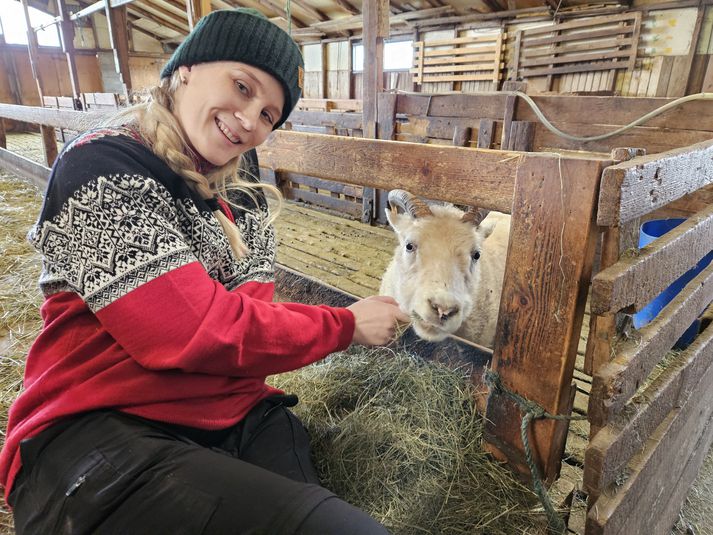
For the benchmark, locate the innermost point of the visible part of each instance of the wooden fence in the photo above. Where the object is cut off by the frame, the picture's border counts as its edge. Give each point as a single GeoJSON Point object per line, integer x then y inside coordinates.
{"type": "Point", "coordinates": [651, 424]}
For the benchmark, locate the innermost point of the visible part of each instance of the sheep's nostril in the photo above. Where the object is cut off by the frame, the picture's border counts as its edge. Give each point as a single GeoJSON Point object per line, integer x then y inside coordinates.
{"type": "Point", "coordinates": [444, 313]}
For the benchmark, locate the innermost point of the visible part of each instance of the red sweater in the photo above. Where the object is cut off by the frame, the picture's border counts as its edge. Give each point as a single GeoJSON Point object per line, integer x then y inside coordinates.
{"type": "Point", "coordinates": [146, 309]}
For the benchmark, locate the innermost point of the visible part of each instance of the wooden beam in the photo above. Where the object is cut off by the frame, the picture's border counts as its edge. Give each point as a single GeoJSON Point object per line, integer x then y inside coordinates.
{"type": "Point", "coordinates": [164, 13]}
{"type": "Point", "coordinates": [183, 30]}
{"type": "Point", "coordinates": [540, 319]}
{"type": "Point", "coordinates": [467, 176]}
{"type": "Point", "coordinates": [49, 143]}
{"type": "Point", "coordinates": [376, 29]}
{"type": "Point", "coordinates": [98, 6]}
{"type": "Point", "coordinates": [66, 31]}
{"type": "Point", "coordinates": [116, 19]}
{"type": "Point", "coordinates": [23, 167]}
{"type": "Point", "coordinates": [635, 188]}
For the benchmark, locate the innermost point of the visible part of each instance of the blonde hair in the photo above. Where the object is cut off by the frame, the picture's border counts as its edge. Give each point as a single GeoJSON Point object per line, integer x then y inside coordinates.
{"type": "Point", "coordinates": [160, 128]}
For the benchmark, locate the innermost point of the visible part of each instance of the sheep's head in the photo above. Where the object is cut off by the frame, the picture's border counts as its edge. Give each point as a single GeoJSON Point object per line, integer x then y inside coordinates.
{"type": "Point", "coordinates": [436, 263]}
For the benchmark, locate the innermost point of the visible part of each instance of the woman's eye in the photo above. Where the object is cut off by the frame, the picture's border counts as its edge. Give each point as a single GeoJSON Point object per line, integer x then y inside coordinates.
{"type": "Point", "coordinates": [268, 117]}
{"type": "Point", "coordinates": [242, 87]}
{"type": "Point", "coordinates": [410, 247]}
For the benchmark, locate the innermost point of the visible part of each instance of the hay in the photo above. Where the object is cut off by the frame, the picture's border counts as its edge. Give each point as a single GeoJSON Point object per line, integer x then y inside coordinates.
{"type": "Point", "coordinates": [401, 439]}
{"type": "Point", "coordinates": [20, 296]}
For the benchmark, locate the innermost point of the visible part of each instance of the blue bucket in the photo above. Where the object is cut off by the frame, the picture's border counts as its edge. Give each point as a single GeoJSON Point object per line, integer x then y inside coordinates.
{"type": "Point", "coordinates": [649, 232]}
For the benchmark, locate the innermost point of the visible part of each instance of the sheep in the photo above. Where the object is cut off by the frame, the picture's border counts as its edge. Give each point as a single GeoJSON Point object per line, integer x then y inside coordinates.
{"type": "Point", "coordinates": [447, 270]}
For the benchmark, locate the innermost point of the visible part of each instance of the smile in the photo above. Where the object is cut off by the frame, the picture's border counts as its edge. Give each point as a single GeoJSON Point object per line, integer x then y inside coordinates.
{"type": "Point", "coordinates": [227, 132]}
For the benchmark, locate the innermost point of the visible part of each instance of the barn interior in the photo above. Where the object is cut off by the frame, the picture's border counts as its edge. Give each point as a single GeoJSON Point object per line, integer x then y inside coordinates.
{"type": "Point", "coordinates": [604, 105]}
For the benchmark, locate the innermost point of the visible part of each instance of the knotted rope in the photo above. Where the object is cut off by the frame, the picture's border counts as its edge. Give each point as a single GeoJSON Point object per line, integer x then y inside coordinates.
{"type": "Point", "coordinates": [532, 411]}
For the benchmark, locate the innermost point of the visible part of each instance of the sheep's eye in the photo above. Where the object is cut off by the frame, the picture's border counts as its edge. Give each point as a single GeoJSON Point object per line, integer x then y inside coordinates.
{"type": "Point", "coordinates": [410, 247]}
{"type": "Point", "coordinates": [475, 255]}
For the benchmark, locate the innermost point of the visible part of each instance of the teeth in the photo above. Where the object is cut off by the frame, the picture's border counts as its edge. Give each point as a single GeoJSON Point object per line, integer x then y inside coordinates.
{"type": "Point", "coordinates": [226, 131]}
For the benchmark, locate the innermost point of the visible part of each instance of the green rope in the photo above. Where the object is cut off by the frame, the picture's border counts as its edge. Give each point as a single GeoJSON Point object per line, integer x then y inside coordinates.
{"type": "Point", "coordinates": [532, 411]}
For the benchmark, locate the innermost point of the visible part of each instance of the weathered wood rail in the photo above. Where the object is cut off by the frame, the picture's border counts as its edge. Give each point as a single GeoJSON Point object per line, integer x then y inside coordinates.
{"type": "Point", "coordinates": [650, 422]}
{"type": "Point", "coordinates": [560, 205]}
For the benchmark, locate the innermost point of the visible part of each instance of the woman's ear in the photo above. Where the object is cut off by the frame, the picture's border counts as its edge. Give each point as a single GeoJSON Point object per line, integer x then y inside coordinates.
{"type": "Point", "coordinates": [185, 72]}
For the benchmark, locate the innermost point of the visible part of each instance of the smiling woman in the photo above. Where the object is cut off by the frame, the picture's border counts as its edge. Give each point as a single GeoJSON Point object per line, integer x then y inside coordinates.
{"type": "Point", "coordinates": [145, 407]}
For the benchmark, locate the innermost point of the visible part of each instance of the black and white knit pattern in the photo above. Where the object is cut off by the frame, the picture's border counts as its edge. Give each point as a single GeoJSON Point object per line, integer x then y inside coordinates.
{"type": "Point", "coordinates": [104, 234]}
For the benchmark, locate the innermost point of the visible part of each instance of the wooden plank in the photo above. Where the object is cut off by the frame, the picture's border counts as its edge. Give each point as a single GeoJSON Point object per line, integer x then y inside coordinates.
{"type": "Point", "coordinates": [490, 106]}
{"type": "Point", "coordinates": [657, 470]}
{"type": "Point", "coordinates": [635, 188]}
{"type": "Point", "coordinates": [329, 185]}
{"type": "Point", "coordinates": [567, 109]}
{"type": "Point", "coordinates": [613, 447]}
{"type": "Point", "coordinates": [456, 174]}
{"type": "Point", "coordinates": [461, 137]}
{"type": "Point", "coordinates": [459, 68]}
{"type": "Point", "coordinates": [340, 206]}
{"type": "Point", "coordinates": [680, 71]}
{"type": "Point", "coordinates": [522, 134]}
{"type": "Point", "coordinates": [386, 115]}
{"type": "Point", "coordinates": [73, 120]}
{"type": "Point", "coordinates": [586, 23]}
{"type": "Point", "coordinates": [36, 173]}
{"type": "Point", "coordinates": [635, 358]}
{"type": "Point", "coordinates": [664, 76]}
{"type": "Point", "coordinates": [587, 47]}
{"type": "Point", "coordinates": [457, 78]}
{"type": "Point", "coordinates": [471, 58]}
{"type": "Point", "coordinates": [476, 52]}
{"type": "Point", "coordinates": [708, 79]}
{"type": "Point", "coordinates": [574, 58]}
{"type": "Point", "coordinates": [636, 280]}
{"type": "Point", "coordinates": [541, 315]}
{"type": "Point", "coordinates": [532, 42]}
{"type": "Point", "coordinates": [509, 114]}
{"type": "Point", "coordinates": [654, 139]}
{"type": "Point", "coordinates": [583, 67]}
{"type": "Point", "coordinates": [486, 133]}
{"type": "Point", "coordinates": [323, 118]}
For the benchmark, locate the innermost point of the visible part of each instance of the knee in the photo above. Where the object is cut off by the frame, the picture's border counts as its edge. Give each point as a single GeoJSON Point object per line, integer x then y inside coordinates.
{"type": "Point", "coordinates": [336, 517]}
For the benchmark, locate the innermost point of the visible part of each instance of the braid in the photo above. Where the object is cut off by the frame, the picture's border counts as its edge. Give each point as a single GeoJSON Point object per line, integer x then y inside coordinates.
{"type": "Point", "coordinates": [160, 128]}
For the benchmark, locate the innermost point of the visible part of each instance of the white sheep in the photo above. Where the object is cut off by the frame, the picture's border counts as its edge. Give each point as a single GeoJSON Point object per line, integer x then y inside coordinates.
{"type": "Point", "coordinates": [447, 271]}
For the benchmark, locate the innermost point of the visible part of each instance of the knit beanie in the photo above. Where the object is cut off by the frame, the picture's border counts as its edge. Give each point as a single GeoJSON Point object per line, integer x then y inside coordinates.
{"type": "Point", "coordinates": [247, 36]}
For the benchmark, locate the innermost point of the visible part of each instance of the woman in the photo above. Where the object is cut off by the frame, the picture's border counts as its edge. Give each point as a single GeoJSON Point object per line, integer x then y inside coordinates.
{"type": "Point", "coordinates": [145, 408]}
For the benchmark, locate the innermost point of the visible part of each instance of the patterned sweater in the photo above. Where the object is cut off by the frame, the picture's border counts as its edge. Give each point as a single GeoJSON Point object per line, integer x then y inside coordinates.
{"type": "Point", "coordinates": [146, 309]}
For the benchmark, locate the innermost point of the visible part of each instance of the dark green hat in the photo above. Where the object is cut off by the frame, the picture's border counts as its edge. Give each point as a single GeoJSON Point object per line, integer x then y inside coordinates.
{"type": "Point", "coordinates": [247, 36]}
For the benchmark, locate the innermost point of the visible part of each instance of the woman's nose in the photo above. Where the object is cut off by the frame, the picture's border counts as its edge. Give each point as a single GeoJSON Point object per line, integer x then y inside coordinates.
{"type": "Point", "coordinates": [248, 117]}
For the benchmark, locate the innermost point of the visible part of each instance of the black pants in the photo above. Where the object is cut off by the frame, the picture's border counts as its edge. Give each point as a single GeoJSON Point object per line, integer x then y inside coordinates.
{"type": "Point", "coordinates": [110, 473]}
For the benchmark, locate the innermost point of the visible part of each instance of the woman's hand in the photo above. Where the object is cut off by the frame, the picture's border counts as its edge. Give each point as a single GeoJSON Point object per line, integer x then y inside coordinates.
{"type": "Point", "coordinates": [376, 320]}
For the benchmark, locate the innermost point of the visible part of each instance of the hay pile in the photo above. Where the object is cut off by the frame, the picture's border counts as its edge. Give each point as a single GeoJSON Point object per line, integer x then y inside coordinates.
{"type": "Point", "coordinates": [401, 439]}
{"type": "Point", "coordinates": [20, 296]}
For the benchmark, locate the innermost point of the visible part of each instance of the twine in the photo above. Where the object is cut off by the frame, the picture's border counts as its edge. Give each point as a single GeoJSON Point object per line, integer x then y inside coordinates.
{"type": "Point", "coordinates": [532, 411]}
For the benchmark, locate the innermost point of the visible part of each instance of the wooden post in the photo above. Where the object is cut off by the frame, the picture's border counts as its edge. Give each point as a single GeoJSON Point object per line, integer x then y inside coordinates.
{"type": "Point", "coordinates": [509, 116]}
{"type": "Point", "coordinates": [66, 31]}
{"type": "Point", "coordinates": [119, 39]}
{"type": "Point", "coordinates": [552, 240]}
{"type": "Point", "coordinates": [614, 241]}
{"type": "Point", "coordinates": [376, 29]}
{"type": "Point", "coordinates": [386, 125]}
{"type": "Point", "coordinates": [195, 9]}
{"type": "Point", "coordinates": [48, 139]}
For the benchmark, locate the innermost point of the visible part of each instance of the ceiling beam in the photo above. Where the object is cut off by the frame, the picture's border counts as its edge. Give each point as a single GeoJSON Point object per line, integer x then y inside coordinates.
{"type": "Point", "coordinates": [356, 22]}
{"type": "Point", "coordinates": [163, 12]}
{"type": "Point", "coordinates": [183, 29]}
{"type": "Point", "coordinates": [314, 13]}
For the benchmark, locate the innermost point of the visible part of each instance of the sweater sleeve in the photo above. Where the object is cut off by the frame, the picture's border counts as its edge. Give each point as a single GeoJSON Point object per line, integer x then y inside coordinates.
{"type": "Point", "coordinates": [185, 320]}
{"type": "Point", "coordinates": [135, 245]}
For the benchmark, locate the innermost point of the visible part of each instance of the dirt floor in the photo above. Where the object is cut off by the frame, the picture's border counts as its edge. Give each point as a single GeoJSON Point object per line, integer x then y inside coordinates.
{"type": "Point", "coordinates": [18, 325]}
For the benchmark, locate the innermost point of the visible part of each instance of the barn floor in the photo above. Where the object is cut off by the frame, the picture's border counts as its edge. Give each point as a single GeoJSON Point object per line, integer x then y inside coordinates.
{"type": "Point", "coordinates": [351, 257]}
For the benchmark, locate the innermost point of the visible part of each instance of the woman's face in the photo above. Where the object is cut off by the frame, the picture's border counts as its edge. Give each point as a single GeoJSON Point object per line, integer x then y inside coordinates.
{"type": "Point", "coordinates": [226, 108]}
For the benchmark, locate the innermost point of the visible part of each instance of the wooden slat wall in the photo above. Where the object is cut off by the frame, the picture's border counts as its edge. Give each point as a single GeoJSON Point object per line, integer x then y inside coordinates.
{"type": "Point", "coordinates": [462, 59]}
{"type": "Point", "coordinates": [595, 44]}
{"type": "Point", "coordinates": [650, 421]}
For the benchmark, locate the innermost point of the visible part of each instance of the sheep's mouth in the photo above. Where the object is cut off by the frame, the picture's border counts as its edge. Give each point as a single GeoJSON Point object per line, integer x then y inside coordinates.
{"type": "Point", "coordinates": [428, 330]}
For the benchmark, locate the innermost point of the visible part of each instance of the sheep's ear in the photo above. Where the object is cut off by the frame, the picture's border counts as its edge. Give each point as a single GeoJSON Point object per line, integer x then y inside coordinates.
{"type": "Point", "coordinates": [486, 228]}
{"type": "Point", "coordinates": [396, 220]}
